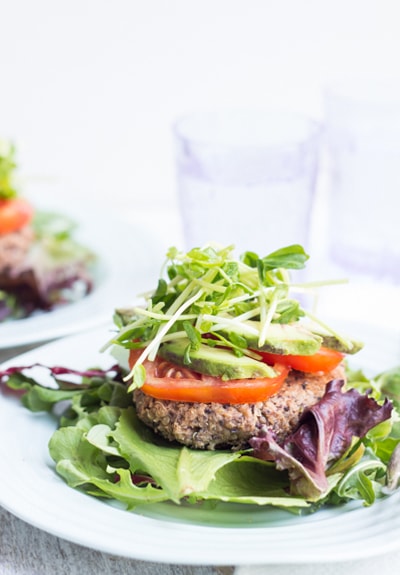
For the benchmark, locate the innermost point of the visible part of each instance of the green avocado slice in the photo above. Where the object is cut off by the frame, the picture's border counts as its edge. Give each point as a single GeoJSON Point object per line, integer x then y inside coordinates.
{"type": "Point", "coordinates": [337, 342]}
{"type": "Point", "coordinates": [215, 361]}
{"type": "Point", "coordinates": [284, 339]}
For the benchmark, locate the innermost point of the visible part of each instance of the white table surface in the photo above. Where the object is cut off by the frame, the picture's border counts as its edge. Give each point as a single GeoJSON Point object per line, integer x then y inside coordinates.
{"type": "Point", "coordinates": [24, 549]}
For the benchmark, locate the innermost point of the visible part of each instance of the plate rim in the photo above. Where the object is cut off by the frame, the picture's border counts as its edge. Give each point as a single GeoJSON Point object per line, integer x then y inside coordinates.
{"type": "Point", "coordinates": [257, 535]}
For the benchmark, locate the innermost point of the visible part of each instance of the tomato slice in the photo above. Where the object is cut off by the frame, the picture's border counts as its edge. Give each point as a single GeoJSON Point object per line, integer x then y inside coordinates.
{"type": "Point", "coordinates": [323, 361]}
{"type": "Point", "coordinates": [165, 380]}
{"type": "Point", "coordinates": [14, 214]}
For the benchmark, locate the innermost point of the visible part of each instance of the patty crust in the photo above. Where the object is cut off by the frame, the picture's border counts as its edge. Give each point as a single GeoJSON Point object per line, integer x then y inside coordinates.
{"type": "Point", "coordinates": [221, 426]}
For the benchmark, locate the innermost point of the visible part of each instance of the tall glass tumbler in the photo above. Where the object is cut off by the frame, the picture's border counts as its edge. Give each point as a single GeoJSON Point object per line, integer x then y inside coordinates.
{"type": "Point", "coordinates": [363, 142]}
{"type": "Point", "coordinates": [246, 178]}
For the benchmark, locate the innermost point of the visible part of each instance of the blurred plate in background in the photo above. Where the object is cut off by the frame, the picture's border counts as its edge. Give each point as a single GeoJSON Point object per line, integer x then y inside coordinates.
{"type": "Point", "coordinates": [129, 260]}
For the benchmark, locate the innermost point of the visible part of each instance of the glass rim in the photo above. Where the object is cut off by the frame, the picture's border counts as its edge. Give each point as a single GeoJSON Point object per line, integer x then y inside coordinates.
{"type": "Point", "coordinates": [299, 128]}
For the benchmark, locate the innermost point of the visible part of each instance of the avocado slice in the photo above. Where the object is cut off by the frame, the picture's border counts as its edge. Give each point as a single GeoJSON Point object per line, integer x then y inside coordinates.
{"type": "Point", "coordinates": [337, 342]}
{"type": "Point", "coordinates": [215, 361]}
{"type": "Point", "coordinates": [284, 339]}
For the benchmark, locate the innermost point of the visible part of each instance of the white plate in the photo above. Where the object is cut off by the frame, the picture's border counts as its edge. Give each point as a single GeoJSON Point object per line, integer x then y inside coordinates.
{"type": "Point", "coordinates": [129, 258]}
{"type": "Point", "coordinates": [229, 534]}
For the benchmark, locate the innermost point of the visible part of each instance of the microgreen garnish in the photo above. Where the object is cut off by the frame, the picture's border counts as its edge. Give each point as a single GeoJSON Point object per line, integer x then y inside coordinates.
{"type": "Point", "coordinates": [209, 297]}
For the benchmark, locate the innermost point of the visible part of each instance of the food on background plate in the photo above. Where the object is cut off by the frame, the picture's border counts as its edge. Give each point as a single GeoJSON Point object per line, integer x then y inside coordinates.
{"type": "Point", "coordinates": [41, 265]}
{"type": "Point", "coordinates": [225, 388]}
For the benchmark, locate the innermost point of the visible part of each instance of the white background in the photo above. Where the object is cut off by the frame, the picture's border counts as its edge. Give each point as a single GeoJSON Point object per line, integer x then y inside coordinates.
{"type": "Point", "coordinates": [89, 89]}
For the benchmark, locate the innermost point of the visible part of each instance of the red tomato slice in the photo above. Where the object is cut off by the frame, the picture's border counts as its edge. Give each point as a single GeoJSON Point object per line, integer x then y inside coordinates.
{"type": "Point", "coordinates": [14, 214]}
{"type": "Point", "coordinates": [165, 380]}
{"type": "Point", "coordinates": [323, 361]}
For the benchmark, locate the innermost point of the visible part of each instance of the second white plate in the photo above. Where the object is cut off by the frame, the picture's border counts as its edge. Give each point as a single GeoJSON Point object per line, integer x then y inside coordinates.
{"type": "Point", "coordinates": [129, 258]}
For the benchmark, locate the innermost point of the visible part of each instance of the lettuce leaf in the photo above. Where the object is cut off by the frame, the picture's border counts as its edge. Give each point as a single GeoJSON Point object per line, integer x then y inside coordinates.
{"type": "Point", "coordinates": [103, 449]}
{"type": "Point", "coordinates": [106, 458]}
{"type": "Point", "coordinates": [324, 433]}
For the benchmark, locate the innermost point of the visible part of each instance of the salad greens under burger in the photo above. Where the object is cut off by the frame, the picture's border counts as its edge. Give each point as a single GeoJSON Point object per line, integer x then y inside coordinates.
{"type": "Point", "coordinates": [41, 265]}
{"type": "Point", "coordinates": [226, 388]}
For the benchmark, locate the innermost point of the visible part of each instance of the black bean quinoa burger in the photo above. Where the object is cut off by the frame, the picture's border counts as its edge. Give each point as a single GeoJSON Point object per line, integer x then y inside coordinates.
{"type": "Point", "coordinates": [212, 425]}
{"type": "Point", "coordinates": [222, 350]}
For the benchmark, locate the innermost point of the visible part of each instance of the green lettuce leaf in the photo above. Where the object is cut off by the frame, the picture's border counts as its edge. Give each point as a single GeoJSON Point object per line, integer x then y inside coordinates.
{"type": "Point", "coordinates": [102, 449]}
{"type": "Point", "coordinates": [178, 470]}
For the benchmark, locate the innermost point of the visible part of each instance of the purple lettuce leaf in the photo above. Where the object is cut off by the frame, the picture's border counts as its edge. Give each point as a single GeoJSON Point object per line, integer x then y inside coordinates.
{"type": "Point", "coordinates": [59, 370]}
{"type": "Point", "coordinates": [17, 379]}
{"type": "Point", "coordinates": [324, 433]}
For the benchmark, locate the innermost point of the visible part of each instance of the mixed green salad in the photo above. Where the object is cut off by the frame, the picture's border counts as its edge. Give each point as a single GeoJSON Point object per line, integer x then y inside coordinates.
{"type": "Point", "coordinates": [41, 263]}
{"type": "Point", "coordinates": [345, 447]}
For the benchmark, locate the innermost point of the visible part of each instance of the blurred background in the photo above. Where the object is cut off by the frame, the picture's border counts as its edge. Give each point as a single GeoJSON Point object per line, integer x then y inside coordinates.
{"type": "Point", "coordinates": [90, 88]}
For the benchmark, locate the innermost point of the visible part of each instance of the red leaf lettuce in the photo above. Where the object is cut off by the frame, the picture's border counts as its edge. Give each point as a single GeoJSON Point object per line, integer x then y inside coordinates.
{"type": "Point", "coordinates": [324, 433]}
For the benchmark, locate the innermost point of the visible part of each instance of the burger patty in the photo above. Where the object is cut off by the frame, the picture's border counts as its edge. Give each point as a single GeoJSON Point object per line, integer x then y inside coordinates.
{"type": "Point", "coordinates": [221, 426]}
{"type": "Point", "coordinates": [26, 274]}
{"type": "Point", "coordinates": [14, 248]}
